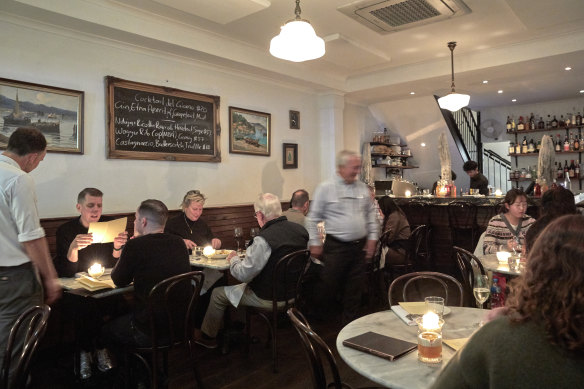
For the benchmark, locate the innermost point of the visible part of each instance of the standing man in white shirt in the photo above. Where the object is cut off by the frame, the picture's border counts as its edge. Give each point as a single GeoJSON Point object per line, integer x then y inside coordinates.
{"type": "Point", "coordinates": [23, 247]}
{"type": "Point", "coordinates": [345, 206]}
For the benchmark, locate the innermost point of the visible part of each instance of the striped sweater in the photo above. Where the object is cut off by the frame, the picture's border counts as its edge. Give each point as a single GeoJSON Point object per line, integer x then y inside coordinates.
{"type": "Point", "coordinates": [498, 234]}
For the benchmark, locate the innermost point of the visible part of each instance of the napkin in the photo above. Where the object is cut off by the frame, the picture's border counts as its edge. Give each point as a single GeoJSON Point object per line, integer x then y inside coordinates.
{"type": "Point", "coordinates": [415, 308]}
{"type": "Point", "coordinates": [455, 344]}
{"type": "Point", "coordinates": [404, 315]}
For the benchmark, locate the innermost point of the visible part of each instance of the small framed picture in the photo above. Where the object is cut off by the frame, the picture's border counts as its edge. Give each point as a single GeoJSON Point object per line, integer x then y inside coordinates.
{"type": "Point", "coordinates": [295, 120]}
{"type": "Point", "coordinates": [290, 156]}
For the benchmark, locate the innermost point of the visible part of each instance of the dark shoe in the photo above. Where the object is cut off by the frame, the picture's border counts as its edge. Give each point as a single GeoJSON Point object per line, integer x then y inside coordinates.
{"type": "Point", "coordinates": [104, 360]}
{"type": "Point", "coordinates": [85, 365]}
{"type": "Point", "coordinates": [203, 340]}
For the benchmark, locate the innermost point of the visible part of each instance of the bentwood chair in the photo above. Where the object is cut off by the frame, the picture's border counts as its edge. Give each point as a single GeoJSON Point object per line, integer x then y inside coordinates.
{"type": "Point", "coordinates": [320, 357]}
{"type": "Point", "coordinates": [418, 213]}
{"type": "Point", "coordinates": [286, 285]}
{"type": "Point", "coordinates": [417, 250]}
{"type": "Point", "coordinates": [24, 337]}
{"type": "Point", "coordinates": [170, 309]}
{"type": "Point", "coordinates": [418, 285]}
{"type": "Point", "coordinates": [462, 219]}
{"type": "Point", "coordinates": [467, 263]}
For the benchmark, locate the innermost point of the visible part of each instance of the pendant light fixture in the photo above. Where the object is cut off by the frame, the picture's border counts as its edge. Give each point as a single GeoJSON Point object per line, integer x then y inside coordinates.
{"type": "Point", "coordinates": [453, 101]}
{"type": "Point", "coordinates": [297, 40]}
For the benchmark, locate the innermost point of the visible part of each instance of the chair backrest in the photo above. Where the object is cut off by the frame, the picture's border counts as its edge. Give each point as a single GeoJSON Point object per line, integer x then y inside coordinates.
{"type": "Point", "coordinates": [376, 260]}
{"type": "Point", "coordinates": [418, 213]}
{"type": "Point", "coordinates": [418, 247]}
{"type": "Point", "coordinates": [170, 306]}
{"type": "Point", "coordinates": [317, 351]}
{"type": "Point", "coordinates": [418, 285]}
{"type": "Point", "coordinates": [24, 337]}
{"type": "Point", "coordinates": [466, 262]}
{"type": "Point", "coordinates": [287, 277]}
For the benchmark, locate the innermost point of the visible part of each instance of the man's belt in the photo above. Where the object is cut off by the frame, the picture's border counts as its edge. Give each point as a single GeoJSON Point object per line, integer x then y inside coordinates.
{"type": "Point", "coordinates": [350, 242]}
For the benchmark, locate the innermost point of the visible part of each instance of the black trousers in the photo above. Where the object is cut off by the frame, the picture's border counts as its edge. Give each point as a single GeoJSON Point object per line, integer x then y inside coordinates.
{"type": "Point", "coordinates": [343, 274]}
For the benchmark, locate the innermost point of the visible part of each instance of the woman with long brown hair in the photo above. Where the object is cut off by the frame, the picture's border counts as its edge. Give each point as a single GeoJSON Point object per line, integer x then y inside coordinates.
{"type": "Point", "coordinates": [539, 341]}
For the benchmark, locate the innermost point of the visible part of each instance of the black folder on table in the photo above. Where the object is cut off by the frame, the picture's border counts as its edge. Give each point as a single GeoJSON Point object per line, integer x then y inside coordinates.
{"type": "Point", "coordinates": [380, 345]}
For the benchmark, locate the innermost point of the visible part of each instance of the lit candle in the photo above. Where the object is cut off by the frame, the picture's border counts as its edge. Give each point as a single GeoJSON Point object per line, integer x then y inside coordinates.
{"type": "Point", "coordinates": [503, 256]}
{"type": "Point", "coordinates": [408, 193]}
{"type": "Point", "coordinates": [430, 321]}
{"type": "Point", "coordinates": [208, 251]}
{"type": "Point", "coordinates": [430, 338]}
{"type": "Point", "coordinates": [498, 192]}
{"type": "Point", "coordinates": [96, 270]}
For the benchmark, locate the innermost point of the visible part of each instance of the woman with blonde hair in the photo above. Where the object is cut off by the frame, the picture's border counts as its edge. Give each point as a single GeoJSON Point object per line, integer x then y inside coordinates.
{"type": "Point", "coordinates": [538, 340]}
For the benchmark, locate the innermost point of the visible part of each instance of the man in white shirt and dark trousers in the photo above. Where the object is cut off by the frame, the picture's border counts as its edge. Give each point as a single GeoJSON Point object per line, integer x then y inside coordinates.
{"type": "Point", "coordinates": [352, 230]}
{"type": "Point", "coordinates": [23, 247]}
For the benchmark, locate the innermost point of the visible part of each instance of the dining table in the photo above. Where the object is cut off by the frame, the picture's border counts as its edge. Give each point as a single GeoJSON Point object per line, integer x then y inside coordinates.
{"type": "Point", "coordinates": [511, 268]}
{"type": "Point", "coordinates": [71, 285]}
{"type": "Point", "coordinates": [405, 372]}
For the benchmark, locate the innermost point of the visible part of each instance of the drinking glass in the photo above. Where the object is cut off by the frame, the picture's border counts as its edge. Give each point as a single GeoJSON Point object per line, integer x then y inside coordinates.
{"type": "Point", "coordinates": [238, 234]}
{"type": "Point", "coordinates": [435, 304]}
{"type": "Point", "coordinates": [254, 232]}
{"type": "Point", "coordinates": [481, 292]}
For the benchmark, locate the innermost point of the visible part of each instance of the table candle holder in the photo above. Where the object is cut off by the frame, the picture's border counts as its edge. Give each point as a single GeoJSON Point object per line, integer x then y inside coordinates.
{"type": "Point", "coordinates": [96, 270]}
{"type": "Point", "coordinates": [430, 338]}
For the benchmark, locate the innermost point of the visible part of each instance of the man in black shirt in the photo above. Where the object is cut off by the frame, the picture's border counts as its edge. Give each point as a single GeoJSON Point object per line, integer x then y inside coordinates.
{"type": "Point", "coordinates": [152, 256]}
{"type": "Point", "coordinates": [477, 180]}
{"type": "Point", "coordinates": [75, 250]}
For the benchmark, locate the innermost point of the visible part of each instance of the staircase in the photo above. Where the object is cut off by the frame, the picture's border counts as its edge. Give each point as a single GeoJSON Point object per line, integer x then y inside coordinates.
{"type": "Point", "coordinates": [464, 126]}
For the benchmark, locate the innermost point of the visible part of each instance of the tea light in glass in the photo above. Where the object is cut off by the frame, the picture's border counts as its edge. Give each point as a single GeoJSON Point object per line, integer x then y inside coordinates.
{"type": "Point", "coordinates": [408, 193]}
{"type": "Point", "coordinates": [96, 270]}
{"type": "Point", "coordinates": [498, 193]}
{"type": "Point", "coordinates": [430, 338]}
{"type": "Point", "coordinates": [208, 251]}
{"type": "Point", "coordinates": [503, 256]}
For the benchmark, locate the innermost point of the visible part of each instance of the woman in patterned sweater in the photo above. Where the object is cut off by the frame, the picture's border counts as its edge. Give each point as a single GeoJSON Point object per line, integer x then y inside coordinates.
{"type": "Point", "coordinates": [506, 231]}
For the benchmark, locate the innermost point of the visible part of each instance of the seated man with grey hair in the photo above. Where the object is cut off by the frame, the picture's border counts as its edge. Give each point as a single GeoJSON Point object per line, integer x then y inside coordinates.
{"type": "Point", "coordinates": [278, 237]}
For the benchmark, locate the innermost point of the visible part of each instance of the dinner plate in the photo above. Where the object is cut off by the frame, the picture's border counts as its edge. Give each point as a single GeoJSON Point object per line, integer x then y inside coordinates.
{"type": "Point", "coordinates": [220, 254]}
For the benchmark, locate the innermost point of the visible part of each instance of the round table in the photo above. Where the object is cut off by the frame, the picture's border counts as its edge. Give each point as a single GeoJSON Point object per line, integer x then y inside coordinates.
{"type": "Point", "coordinates": [405, 372]}
{"type": "Point", "coordinates": [490, 262]}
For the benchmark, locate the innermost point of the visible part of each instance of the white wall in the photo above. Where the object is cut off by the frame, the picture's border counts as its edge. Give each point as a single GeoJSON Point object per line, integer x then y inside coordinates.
{"type": "Point", "coordinates": [418, 120]}
{"type": "Point", "coordinates": [50, 56]}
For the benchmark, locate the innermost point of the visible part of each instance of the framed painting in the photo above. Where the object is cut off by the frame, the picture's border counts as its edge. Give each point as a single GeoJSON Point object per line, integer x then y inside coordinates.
{"type": "Point", "coordinates": [294, 120]}
{"type": "Point", "coordinates": [56, 112]}
{"type": "Point", "coordinates": [250, 132]}
{"type": "Point", "coordinates": [290, 156]}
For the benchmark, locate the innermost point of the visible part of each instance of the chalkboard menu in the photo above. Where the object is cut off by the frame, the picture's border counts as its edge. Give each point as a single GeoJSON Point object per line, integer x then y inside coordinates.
{"type": "Point", "coordinates": [155, 122]}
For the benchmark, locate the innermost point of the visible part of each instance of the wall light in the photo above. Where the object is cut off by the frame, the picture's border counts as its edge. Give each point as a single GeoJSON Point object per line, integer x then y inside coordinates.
{"type": "Point", "coordinates": [453, 101]}
{"type": "Point", "coordinates": [297, 41]}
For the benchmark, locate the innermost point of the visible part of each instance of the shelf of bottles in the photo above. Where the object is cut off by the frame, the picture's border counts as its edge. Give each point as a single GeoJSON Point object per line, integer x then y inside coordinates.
{"type": "Point", "coordinates": [395, 159]}
{"type": "Point", "coordinates": [570, 144]}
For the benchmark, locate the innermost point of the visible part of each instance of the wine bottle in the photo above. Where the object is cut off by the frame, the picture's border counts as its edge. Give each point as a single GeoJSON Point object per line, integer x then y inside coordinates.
{"type": "Point", "coordinates": [511, 148]}
{"type": "Point", "coordinates": [532, 124]}
{"type": "Point", "coordinates": [576, 143]}
{"type": "Point", "coordinates": [558, 144]}
{"type": "Point", "coordinates": [554, 122]}
{"type": "Point", "coordinates": [562, 122]}
{"type": "Point", "coordinates": [577, 170]}
{"type": "Point", "coordinates": [567, 123]}
{"type": "Point", "coordinates": [566, 144]}
{"type": "Point", "coordinates": [572, 169]}
{"type": "Point", "coordinates": [518, 148]}
{"type": "Point", "coordinates": [520, 124]}
{"type": "Point", "coordinates": [541, 123]}
{"type": "Point", "coordinates": [566, 168]}
{"type": "Point", "coordinates": [524, 146]}
{"type": "Point", "coordinates": [567, 182]}
{"type": "Point", "coordinates": [531, 146]}
{"type": "Point", "coordinates": [560, 172]}
{"type": "Point", "coordinates": [571, 147]}
{"type": "Point", "coordinates": [578, 119]}
{"type": "Point", "coordinates": [508, 124]}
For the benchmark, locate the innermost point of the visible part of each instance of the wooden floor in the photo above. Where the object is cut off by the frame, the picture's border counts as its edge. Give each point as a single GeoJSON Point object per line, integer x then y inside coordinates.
{"type": "Point", "coordinates": [234, 370]}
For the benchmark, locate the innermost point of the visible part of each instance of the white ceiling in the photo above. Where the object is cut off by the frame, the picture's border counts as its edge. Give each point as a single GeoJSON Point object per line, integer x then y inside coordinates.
{"type": "Point", "coordinates": [520, 46]}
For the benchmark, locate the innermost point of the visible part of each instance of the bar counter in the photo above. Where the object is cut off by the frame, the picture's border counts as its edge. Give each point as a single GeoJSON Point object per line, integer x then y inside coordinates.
{"type": "Point", "coordinates": [434, 213]}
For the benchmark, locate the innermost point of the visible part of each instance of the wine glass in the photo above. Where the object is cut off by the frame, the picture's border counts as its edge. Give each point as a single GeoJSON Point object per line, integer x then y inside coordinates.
{"type": "Point", "coordinates": [254, 232]}
{"type": "Point", "coordinates": [481, 290]}
{"type": "Point", "coordinates": [238, 234]}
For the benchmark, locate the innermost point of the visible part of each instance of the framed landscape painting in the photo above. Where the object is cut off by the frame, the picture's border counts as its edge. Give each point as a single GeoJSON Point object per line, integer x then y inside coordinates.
{"type": "Point", "coordinates": [250, 132]}
{"type": "Point", "coordinates": [56, 112]}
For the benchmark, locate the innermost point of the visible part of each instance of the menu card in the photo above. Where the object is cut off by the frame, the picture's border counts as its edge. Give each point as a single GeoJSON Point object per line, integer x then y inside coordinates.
{"type": "Point", "coordinates": [380, 345]}
{"type": "Point", "coordinates": [105, 232]}
{"type": "Point", "coordinates": [455, 344]}
{"type": "Point", "coordinates": [93, 284]}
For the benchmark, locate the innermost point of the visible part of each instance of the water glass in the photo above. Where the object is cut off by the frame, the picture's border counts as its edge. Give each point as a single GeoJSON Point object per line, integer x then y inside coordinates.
{"type": "Point", "coordinates": [435, 304]}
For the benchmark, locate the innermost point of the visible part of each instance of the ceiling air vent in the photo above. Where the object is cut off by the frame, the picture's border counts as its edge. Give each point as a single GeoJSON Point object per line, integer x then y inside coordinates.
{"type": "Point", "coordinates": [395, 15]}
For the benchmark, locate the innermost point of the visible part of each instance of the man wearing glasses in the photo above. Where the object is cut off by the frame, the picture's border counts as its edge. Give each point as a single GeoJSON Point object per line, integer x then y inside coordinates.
{"type": "Point", "coordinates": [352, 230]}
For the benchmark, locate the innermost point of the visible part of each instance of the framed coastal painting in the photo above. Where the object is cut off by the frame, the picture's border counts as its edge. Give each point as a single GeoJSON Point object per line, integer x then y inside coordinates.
{"type": "Point", "coordinates": [250, 132]}
{"type": "Point", "coordinates": [290, 156]}
{"type": "Point", "coordinates": [56, 112]}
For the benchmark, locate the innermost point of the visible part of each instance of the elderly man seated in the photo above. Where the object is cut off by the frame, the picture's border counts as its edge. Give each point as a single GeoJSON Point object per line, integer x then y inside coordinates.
{"type": "Point", "coordinates": [278, 237]}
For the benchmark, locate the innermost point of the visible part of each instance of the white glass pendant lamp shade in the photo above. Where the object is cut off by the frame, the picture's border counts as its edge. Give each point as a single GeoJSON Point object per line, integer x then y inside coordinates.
{"type": "Point", "coordinates": [297, 41]}
{"type": "Point", "coordinates": [453, 101]}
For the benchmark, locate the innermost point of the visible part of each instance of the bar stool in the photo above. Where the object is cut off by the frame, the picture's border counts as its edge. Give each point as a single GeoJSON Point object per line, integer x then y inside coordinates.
{"type": "Point", "coordinates": [462, 218]}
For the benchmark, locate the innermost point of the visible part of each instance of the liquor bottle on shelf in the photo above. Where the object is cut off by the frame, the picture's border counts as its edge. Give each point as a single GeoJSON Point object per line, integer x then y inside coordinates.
{"type": "Point", "coordinates": [571, 146]}
{"type": "Point", "coordinates": [566, 144]}
{"type": "Point", "coordinates": [538, 147]}
{"type": "Point", "coordinates": [566, 169]}
{"type": "Point", "coordinates": [532, 124]}
{"type": "Point", "coordinates": [562, 122]}
{"type": "Point", "coordinates": [568, 121]}
{"type": "Point", "coordinates": [558, 146]}
{"type": "Point", "coordinates": [548, 122]}
{"type": "Point", "coordinates": [531, 146]}
{"type": "Point", "coordinates": [520, 124]}
{"type": "Point", "coordinates": [554, 122]}
{"type": "Point", "coordinates": [560, 171]}
{"type": "Point", "coordinates": [508, 123]}
{"type": "Point", "coordinates": [578, 119]}
{"type": "Point", "coordinates": [518, 148]}
{"type": "Point", "coordinates": [577, 170]}
{"type": "Point", "coordinates": [567, 182]}
{"type": "Point", "coordinates": [572, 169]}
{"type": "Point", "coordinates": [511, 148]}
{"type": "Point", "coordinates": [573, 116]}
{"type": "Point", "coordinates": [524, 146]}
{"type": "Point", "coordinates": [541, 123]}
{"type": "Point", "coordinates": [576, 143]}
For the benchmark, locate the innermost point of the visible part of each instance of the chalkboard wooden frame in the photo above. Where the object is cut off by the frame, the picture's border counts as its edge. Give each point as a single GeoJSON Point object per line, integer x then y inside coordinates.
{"type": "Point", "coordinates": [197, 138]}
